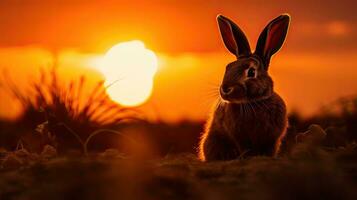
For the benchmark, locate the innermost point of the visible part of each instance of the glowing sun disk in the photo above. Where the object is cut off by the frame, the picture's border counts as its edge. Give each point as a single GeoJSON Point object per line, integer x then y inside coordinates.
{"type": "Point", "coordinates": [130, 68]}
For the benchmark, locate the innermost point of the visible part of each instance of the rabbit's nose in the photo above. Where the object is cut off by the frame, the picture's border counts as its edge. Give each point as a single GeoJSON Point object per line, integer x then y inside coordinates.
{"type": "Point", "coordinates": [226, 90]}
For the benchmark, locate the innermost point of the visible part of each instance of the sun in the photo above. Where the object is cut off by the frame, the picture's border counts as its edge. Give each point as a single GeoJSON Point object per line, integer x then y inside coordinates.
{"type": "Point", "coordinates": [129, 69]}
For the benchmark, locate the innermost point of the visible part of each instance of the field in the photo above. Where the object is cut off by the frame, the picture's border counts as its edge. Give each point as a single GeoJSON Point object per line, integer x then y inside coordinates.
{"type": "Point", "coordinates": [60, 150]}
{"type": "Point", "coordinates": [308, 173]}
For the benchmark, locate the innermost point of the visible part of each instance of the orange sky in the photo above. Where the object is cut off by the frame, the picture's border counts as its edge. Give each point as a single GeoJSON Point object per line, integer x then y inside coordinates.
{"type": "Point", "coordinates": [316, 65]}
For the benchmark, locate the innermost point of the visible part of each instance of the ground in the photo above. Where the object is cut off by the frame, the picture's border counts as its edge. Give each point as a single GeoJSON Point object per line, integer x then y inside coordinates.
{"type": "Point", "coordinates": [308, 172]}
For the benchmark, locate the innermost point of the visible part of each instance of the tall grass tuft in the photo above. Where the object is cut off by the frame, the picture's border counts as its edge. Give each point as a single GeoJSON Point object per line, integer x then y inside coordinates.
{"type": "Point", "coordinates": [63, 115]}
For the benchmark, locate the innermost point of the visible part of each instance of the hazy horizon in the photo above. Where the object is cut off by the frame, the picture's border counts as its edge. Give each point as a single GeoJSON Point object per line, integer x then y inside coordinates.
{"type": "Point", "coordinates": [316, 65]}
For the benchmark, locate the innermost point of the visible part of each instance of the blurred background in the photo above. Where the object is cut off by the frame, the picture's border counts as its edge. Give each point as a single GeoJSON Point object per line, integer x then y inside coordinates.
{"type": "Point", "coordinates": [315, 67]}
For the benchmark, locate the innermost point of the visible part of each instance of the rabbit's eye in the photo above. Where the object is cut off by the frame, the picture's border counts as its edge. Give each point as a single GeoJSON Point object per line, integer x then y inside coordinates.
{"type": "Point", "coordinates": [251, 73]}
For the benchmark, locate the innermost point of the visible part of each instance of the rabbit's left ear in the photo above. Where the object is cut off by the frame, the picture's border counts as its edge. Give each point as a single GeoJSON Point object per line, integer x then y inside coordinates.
{"type": "Point", "coordinates": [272, 38]}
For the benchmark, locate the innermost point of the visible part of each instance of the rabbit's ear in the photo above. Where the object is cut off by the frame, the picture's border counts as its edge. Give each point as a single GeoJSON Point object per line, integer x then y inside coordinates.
{"type": "Point", "coordinates": [272, 38]}
{"type": "Point", "coordinates": [233, 37]}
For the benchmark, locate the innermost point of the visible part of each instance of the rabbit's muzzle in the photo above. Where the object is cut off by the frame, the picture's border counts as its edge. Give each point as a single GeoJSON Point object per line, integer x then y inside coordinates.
{"type": "Point", "coordinates": [234, 92]}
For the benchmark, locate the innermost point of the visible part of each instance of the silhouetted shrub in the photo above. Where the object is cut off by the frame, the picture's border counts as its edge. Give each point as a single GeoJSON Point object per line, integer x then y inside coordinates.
{"type": "Point", "coordinates": [62, 114]}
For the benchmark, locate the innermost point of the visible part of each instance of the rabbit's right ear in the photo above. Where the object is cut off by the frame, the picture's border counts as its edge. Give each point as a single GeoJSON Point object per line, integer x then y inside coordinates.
{"type": "Point", "coordinates": [233, 37]}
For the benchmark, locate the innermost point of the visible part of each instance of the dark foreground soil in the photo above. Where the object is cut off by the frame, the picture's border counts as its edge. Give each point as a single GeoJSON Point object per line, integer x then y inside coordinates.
{"type": "Point", "coordinates": [307, 173]}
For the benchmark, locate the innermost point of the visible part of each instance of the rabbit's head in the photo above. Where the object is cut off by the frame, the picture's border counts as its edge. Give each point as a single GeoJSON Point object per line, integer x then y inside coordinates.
{"type": "Point", "coordinates": [247, 78]}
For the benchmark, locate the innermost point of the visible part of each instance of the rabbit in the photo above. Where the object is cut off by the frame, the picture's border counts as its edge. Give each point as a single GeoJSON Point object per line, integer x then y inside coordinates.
{"type": "Point", "coordinates": [249, 119]}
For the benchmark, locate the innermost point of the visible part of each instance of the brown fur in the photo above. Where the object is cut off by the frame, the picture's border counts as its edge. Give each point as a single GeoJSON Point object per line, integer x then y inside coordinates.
{"type": "Point", "coordinates": [249, 129]}
{"type": "Point", "coordinates": [250, 118]}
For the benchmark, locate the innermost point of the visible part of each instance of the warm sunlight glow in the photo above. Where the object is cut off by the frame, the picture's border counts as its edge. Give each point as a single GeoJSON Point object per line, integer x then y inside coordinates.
{"type": "Point", "coordinates": [129, 69]}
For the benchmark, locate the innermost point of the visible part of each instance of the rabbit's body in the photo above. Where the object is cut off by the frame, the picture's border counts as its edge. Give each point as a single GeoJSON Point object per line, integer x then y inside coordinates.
{"type": "Point", "coordinates": [245, 129]}
{"type": "Point", "coordinates": [250, 118]}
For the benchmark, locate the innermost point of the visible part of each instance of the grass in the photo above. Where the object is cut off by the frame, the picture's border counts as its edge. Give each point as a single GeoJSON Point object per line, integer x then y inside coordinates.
{"type": "Point", "coordinates": [62, 114]}
{"type": "Point", "coordinates": [308, 173]}
{"type": "Point", "coordinates": [339, 119]}
{"type": "Point", "coordinates": [311, 169]}
{"type": "Point", "coordinates": [45, 153]}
